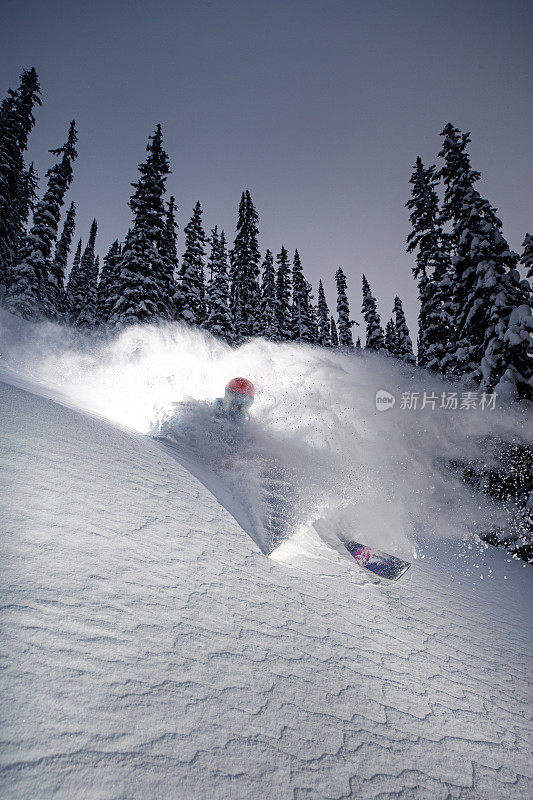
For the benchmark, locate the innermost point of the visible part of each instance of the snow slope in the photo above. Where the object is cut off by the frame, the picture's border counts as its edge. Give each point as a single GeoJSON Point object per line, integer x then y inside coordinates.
{"type": "Point", "coordinates": [150, 649]}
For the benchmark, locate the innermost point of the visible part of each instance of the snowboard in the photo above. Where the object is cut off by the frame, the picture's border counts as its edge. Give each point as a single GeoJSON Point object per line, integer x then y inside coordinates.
{"type": "Point", "coordinates": [381, 564]}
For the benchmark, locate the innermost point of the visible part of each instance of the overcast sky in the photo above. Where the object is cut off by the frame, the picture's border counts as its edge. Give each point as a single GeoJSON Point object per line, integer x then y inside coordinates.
{"type": "Point", "coordinates": [319, 107]}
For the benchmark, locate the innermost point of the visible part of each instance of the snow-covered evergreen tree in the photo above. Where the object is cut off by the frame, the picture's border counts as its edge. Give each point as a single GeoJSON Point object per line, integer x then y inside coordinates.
{"type": "Point", "coordinates": [30, 292]}
{"type": "Point", "coordinates": [391, 339]}
{"type": "Point", "coordinates": [283, 295]}
{"type": "Point", "coordinates": [219, 321]}
{"type": "Point", "coordinates": [141, 291]}
{"type": "Point", "coordinates": [433, 271]}
{"type": "Point", "coordinates": [73, 275]}
{"type": "Point", "coordinates": [375, 339]}
{"type": "Point", "coordinates": [190, 293]}
{"type": "Point", "coordinates": [58, 267]}
{"type": "Point", "coordinates": [323, 317]}
{"type": "Point", "coordinates": [88, 318]}
{"type": "Point", "coordinates": [333, 333]}
{"type": "Point", "coordinates": [345, 324]}
{"type": "Point", "coordinates": [16, 182]}
{"type": "Point", "coordinates": [313, 314]}
{"type": "Point", "coordinates": [269, 315]}
{"type": "Point", "coordinates": [169, 266]}
{"type": "Point", "coordinates": [527, 256]}
{"type": "Point", "coordinates": [507, 363]}
{"type": "Point", "coordinates": [25, 206]}
{"type": "Point", "coordinates": [493, 314]}
{"type": "Point", "coordinates": [108, 285]}
{"type": "Point", "coordinates": [301, 323]}
{"type": "Point", "coordinates": [404, 349]}
{"type": "Point", "coordinates": [211, 262]}
{"type": "Point", "coordinates": [81, 288]}
{"type": "Point", "coordinates": [245, 257]}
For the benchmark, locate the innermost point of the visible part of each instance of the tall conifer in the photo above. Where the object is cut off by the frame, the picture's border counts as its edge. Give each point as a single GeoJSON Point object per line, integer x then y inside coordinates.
{"type": "Point", "coordinates": [269, 313]}
{"type": "Point", "coordinates": [375, 339]}
{"type": "Point", "coordinates": [492, 305]}
{"type": "Point", "coordinates": [433, 271]}
{"type": "Point", "coordinates": [283, 295]}
{"type": "Point", "coordinates": [16, 182]}
{"type": "Point", "coordinates": [141, 291]}
{"type": "Point", "coordinates": [108, 285]}
{"type": "Point", "coordinates": [334, 333]}
{"type": "Point", "coordinates": [190, 293]}
{"type": "Point", "coordinates": [301, 322]}
{"type": "Point", "coordinates": [391, 339]}
{"type": "Point", "coordinates": [33, 289]}
{"type": "Point", "coordinates": [169, 265]}
{"type": "Point", "coordinates": [58, 267]}
{"type": "Point", "coordinates": [323, 318]}
{"type": "Point", "coordinates": [245, 257]}
{"type": "Point", "coordinates": [343, 311]}
{"type": "Point", "coordinates": [404, 344]}
{"type": "Point", "coordinates": [81, 295]}
{"type": "Point", "coordinates": [219, 321]}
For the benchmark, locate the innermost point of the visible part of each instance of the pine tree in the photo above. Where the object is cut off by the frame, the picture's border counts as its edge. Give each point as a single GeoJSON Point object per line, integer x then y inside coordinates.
{"type": "Point", "coordinates": [89, 316]}
{"type": "Point", "coordinates": [313, 314]}
{"type": "Point", "coordinates": [404, 343]}
{"type": "Point", "coordinates": [73, 275]}
{"type": "Point", "coordinates": [507, 363]}
{"type": "Point", "coordinates": [245, 257]}
{"type": "Point", "coordinates": [33, 290]}
{"type": "Point", "coordinates": [433, 271]}
{"type": "Point", "coordinates": [141, 292]}
{"type": "Point", "coordinates": [269, 312]}
{"type": "Point", "coordinates": [58, 267]}
{"type": "Point", "coordinates": [375, 339]}
{"type": "Point", "coordinates": [323, 317]}
{"type": "Point", "coordinates": [527, 256]}
{"type": "Point", "coordinates": [391, 339]}
{"type": "Point", "coordinates": [343, 311]}
{"type": "Point", "coordinates": [81, 289]}
{"type": "Point", "coordinates": [190, 293]}
{"type": "Point", "coordinates": [219, 321]}
{"type": "Point", "coordinates": [213, 241]}
{"type": "Point", "coordinates": [25, 206]}
{"type": "Point", "coordinates": [169, 269]}
{"type": "Point", "coordinates": [301, 323]}
{"type": "Point", "coordinates": [493, 315]}
{"type": "Point", "coordinates": [334, 334]}
{"type": "Point", "coordinates": [108, 285]}
{"type": "Point", "coordinates": [283, 295]}
{"type": "Point", "coordinates": [16, 182]}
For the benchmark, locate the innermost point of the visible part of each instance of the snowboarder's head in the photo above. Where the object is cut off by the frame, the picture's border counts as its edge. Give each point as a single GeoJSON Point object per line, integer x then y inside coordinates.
{"type": "Point", "coordinates": [239, 394]}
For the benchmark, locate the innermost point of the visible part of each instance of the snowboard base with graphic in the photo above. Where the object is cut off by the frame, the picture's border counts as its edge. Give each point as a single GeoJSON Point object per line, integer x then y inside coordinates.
{"type": "Point", "coordinates": [381, 564]}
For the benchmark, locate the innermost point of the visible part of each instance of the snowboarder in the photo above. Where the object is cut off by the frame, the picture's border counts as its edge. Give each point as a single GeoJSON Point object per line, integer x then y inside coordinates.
{"type": "Point", "coordinates": [238, 398]}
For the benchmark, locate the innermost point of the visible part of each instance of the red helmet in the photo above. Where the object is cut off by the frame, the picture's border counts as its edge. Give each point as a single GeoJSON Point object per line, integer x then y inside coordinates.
{"type": "Point", "coordinates": [241, 389]}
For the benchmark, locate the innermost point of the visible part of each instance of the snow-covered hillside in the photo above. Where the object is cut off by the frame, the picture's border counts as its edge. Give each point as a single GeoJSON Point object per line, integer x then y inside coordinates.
{"type": "Point", "coordinates": [151, 650]}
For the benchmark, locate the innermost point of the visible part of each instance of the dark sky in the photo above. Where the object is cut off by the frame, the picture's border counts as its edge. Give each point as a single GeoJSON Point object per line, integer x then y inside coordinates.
{"type": "Point", "coordinates": [319, 108]}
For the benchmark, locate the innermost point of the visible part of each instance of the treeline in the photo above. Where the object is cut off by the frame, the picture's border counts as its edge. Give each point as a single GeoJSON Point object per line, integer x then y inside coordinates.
{"type": "Point", "coordinates": [233, 293]}
{"type": "Point", "coordinates": [475, 320]}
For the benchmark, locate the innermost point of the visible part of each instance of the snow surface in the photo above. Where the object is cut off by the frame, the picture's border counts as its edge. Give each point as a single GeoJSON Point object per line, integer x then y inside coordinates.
{"type": "Point", "coordinates": [151, 650]}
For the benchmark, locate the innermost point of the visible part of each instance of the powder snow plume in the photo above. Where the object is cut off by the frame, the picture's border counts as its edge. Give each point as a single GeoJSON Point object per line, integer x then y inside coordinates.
{"type": "Point", "coordinates": [379, 475]}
